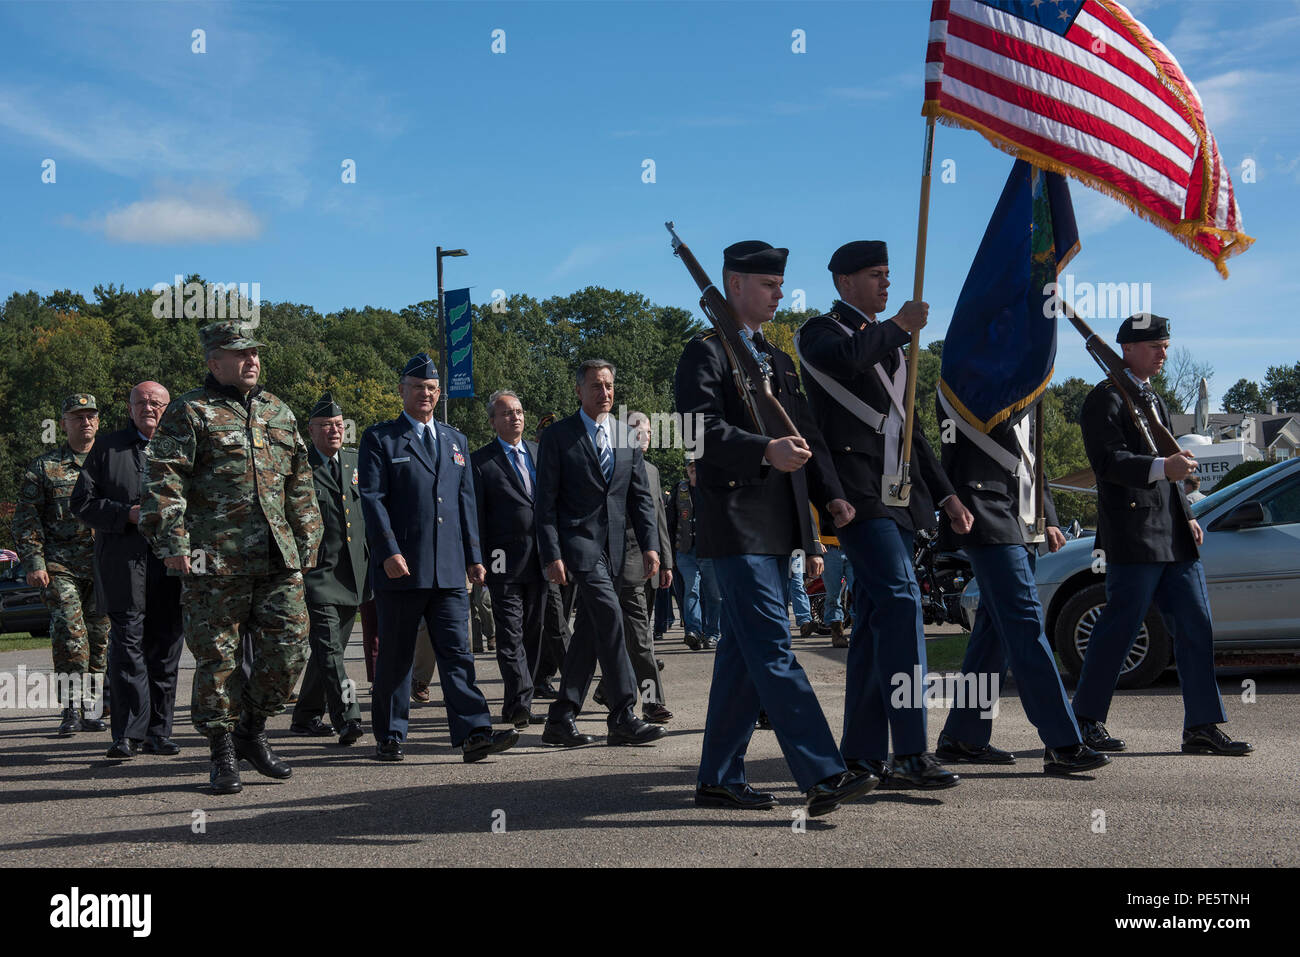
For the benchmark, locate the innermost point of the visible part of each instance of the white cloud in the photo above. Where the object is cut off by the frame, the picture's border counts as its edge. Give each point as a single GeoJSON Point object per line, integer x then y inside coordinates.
{"type": "Point", "coordinates": [203, 216]}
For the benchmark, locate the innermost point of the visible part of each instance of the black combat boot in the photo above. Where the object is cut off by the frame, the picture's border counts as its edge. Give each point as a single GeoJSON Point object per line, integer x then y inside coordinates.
{"type": "Point", "coordinates": [250, 744]}
{"type": "Point", "coordinates": [71, 722]}
{"type": "Point", "coordinates": [225, 770]}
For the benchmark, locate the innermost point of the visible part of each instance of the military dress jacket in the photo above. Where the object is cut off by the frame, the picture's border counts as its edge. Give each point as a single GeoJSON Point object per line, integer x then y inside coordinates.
{"type": "Point", "coordinates": [341, 575]}
{"type": "Point", "coordinates": [1137, 520]}
{"type": "Point", "coordinates": [744, 506]}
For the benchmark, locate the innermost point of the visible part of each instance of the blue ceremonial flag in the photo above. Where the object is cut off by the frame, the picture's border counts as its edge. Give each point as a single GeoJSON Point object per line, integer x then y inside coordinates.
{"type": "Point", "coordinates": [1001, 345]}
{"type": "Point", "coordinates": [460, 343]}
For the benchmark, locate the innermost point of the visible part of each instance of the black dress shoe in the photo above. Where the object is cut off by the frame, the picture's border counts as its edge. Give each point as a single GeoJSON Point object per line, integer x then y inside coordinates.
{"type": "Point", "coordinates": [156, 744]}
{"type": "Point", "coordinates": [224, 777]}
{"type": "Point", "coordinates": [71, 722]}
{"type": "Point", "coordinates": [729, 795]}
{"type": "Point", "coordinates": [388, 751]}
{"type": "Point", "coordinates": [485, 741]}
{"type": "Point", "coordinates": [806, 629]}
{"type": "Point", "coordinates": [315, 728]}
{"type": "Point", "coordinates": [825, 796]}
{"type": "Point", "coordinates": [692, 641]}
{"type": "Point", "coordinates": [1209, 739]}
{"type": "Point", "coordinates": [635, 731]}
{"type": "Point", "coordinates": [521, 718]}
{"type": "Point", "coordinates": [93, 724]}
{"type": "Point", "coordinates": [544, 693]}
{"type": "Point", "coordinates": [953, 751]}
{"type": "Point", "coordinates": [249, 739]}
{"type": "Point", "coordinates": [1072, 759]}
{"type": "Point", "coordinates": [121, 750]}
{"type": "Point", "coordinates": [708, 644]}
{"type": "Point", "coordinates": [922, 771]}
{"type": "Point", "coordinates": [763, 723]}
{"type": "Point", "coordinates": [656, 714]}
{"type": "Point", "coordinates": [565, 734]}
{"type": "Point", "coordinates": [880, 769]}
{"type": "Point", "coordinates": [1096, 736]}
{"type": "Point", "coordinates": [351, 733]}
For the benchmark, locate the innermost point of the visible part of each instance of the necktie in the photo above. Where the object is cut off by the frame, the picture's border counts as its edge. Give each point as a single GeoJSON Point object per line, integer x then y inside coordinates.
{"type": "Point", "coordinates": [336, 472]}
{"type": "Point", "coordinates": [606, 454]}
{"type": "Point", "coordinates": [522, 466]}
{"type": "Point", "coordinates": [428, 443]}
{"type": "Point", "coordinates": [759, 342]}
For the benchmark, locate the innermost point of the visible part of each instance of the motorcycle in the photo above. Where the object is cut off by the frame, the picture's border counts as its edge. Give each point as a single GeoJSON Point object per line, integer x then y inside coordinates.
{"type": "Point", "coordinates": [942, 574]}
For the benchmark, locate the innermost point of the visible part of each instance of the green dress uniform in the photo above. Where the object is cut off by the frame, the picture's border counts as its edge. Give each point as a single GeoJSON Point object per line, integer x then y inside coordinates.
{"type": "Point", "coordinates": [336, 587]}
{"type": "Point", "coordinates": [228, 484]}
{"type": "Point", "coordinates": [51, 539]}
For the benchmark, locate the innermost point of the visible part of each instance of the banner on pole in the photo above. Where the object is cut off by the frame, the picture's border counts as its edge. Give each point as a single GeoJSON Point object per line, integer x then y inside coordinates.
{"type": "Point", "coordinates": [460, 343]}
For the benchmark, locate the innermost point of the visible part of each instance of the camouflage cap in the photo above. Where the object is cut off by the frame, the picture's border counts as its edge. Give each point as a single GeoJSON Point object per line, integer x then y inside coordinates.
{"type": "Point", "coordinates": [80, 401]}
{"type": "Point", "coordinates": [227, 335]}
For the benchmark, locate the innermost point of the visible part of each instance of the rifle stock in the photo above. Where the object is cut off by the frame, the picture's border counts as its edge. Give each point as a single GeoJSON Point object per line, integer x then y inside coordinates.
{"type": "Point", "coordinates": [769, 415]}
{"type": "Point", "coordinates": [1160, 440]}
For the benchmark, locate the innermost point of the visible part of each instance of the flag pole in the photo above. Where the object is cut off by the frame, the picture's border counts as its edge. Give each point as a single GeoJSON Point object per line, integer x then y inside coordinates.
{"type": "Point", "coordinates": [898, 488]}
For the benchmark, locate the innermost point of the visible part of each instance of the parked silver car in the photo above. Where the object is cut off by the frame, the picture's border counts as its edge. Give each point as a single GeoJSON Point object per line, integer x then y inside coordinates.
{"type": "Point", "coordinates": [1252, 567]}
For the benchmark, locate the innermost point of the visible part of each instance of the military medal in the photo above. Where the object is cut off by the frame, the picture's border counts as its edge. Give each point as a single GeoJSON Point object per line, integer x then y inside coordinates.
{"type": "Point", "coordinates": [354, 477]}
{"type": "Point", "coordinates": [455, 454]}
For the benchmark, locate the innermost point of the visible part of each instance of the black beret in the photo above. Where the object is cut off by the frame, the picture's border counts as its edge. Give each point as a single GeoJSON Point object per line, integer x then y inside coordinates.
{"type": "Point", "coordinates": [855, 256]}
{"type": "Point", "coordinates": [1143, 327]}
{"type": "Point", "coordinates": [421, 367]}
{"type": "Point", "coordinates": [325, 408]}
{"type": "Point", "coordinates": [755, 256]}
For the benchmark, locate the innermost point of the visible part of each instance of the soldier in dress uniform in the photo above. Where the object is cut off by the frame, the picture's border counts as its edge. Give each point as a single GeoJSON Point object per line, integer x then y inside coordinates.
{"type": "Point", "coordinates": [228, 504]}
{"type": "Point", "coordinates": [57, 552]}
{"type": "Point", "coordinates": [338, 584]}
{"type": "Point", "coordinates": [1151, 546]}
{"type": "Point", "coordinates": [993, 474]}
{"type": "Point", "coordinates": [751, 515]}
{"type": "Point", "coordinates": [857, 380]}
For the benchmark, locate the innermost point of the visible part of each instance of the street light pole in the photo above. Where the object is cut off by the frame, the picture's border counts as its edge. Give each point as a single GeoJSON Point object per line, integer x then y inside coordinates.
{"type": "Point", "coordinates": [443, 361]}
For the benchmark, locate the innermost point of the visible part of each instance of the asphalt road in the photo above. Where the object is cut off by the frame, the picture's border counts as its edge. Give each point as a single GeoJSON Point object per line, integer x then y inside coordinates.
{"type": "Point", "coordinates": [65, 805]}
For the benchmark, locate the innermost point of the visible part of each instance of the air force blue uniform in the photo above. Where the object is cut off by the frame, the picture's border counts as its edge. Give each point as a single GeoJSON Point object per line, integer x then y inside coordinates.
{"type": "Point", "coordinates": [417, 494]}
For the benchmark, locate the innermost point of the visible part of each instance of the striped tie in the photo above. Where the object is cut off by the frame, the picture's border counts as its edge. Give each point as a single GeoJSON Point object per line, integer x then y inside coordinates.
{"type": "Point", "coordinates": [606, 454]}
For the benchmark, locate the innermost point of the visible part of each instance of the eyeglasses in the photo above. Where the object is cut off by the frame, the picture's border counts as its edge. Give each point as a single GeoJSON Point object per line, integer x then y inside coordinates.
{"type": "Point", "coordinates": [149, 403]}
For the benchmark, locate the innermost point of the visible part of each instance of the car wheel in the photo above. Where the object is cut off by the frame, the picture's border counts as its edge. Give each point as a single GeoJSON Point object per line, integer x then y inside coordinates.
{"type": "Point", "coordinates": [1146, 660]}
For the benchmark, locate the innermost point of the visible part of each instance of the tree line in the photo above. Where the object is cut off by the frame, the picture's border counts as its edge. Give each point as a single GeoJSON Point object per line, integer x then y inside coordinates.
{"type": "Point", "coordinates": [63, 343]}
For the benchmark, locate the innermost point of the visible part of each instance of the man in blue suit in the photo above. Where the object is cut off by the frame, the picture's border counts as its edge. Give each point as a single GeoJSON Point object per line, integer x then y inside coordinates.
{"type": "Point", "coordinates": [590, 485]}
{"type": "Point", "coordinates": [417, 495]}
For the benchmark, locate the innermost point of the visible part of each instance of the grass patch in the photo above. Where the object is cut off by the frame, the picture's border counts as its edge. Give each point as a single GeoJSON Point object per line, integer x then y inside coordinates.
{"type": "Point", "coordinates": [22, 641]}
{"type": "Point", "coordinates": [946, 654]}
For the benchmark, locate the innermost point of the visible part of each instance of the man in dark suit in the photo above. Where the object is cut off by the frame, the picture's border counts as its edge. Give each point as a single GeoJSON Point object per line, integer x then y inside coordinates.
{"type": "Point", "coordinates": [337, 586]}
{"type": "Point", "coordinates": [1151, 546]}
{"type": "Point", "coordinates": [590, 486]}
{"type": "Point", "coordinates": [993, 474]}
{"type": "Point", "coordinates": [505, 486]}
{"type": "Point", "coordinates": [857, 380]}
{"type": "Point", "coordinates": [752, 514]}
{"type": "Point", "coordinates": [417, 495]}
{"type": "Point", "coordinates": [142, 601]}
{"type": "Point", "coordinates": [637, 588]}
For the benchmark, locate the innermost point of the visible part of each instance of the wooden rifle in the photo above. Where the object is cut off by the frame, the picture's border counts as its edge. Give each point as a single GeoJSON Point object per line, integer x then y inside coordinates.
{"type": "Point", "coordinates": [1141, 404]}
{"type": "Point", "coordinates": [750, 369]}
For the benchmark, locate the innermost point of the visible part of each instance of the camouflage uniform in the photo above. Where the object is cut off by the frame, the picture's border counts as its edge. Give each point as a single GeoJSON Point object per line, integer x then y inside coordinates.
{"type": "Point", "coordinates": [51, 539]}
{"type": "Point", "coordinates": [228, 483]}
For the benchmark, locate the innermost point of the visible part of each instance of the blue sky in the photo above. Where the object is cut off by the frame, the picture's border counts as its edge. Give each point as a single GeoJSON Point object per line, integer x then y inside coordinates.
{"type": "Point", "coordinates": [532, 159]}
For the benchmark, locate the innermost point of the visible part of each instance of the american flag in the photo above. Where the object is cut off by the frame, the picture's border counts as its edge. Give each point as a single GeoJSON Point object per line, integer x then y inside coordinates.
{"type": "Point", "coordinates": [1082, 88]}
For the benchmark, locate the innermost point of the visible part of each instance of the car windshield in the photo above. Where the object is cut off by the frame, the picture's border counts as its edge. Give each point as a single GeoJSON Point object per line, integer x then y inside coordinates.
{"type": "Point", "coordinates": [1221, 495]}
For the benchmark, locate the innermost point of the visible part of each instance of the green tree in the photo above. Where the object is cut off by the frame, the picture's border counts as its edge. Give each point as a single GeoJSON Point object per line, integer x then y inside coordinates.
{"type": "Point", "coordinates": [1282, 385]}
{"type": "Point", "coordinates": [1243, 396]}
